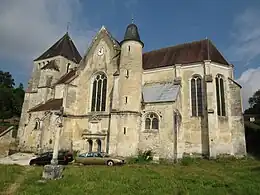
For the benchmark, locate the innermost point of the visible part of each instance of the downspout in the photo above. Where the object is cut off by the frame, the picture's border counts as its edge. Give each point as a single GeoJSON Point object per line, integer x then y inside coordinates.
{"type": "Point", "coordinates": [175, 137]}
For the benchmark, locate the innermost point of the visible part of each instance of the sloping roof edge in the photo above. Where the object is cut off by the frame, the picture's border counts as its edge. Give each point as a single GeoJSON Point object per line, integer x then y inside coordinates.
{"type": "Point", "coordinates": [235, 82]}
{"type": "Point", "coordinates": [52, 104]}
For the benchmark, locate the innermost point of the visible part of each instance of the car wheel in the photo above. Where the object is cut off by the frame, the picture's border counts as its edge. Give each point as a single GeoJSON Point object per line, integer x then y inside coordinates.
{"type": "Point", "coordinates": [110, 163]}
{"type": "Point", "coordinates": [32, 163]}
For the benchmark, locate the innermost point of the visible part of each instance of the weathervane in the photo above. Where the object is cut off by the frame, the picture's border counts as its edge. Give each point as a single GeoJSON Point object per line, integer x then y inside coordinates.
{"type": "Point", "coordinates": [132, 18]}
{"type": "Point", "coordinates": [68, 26]}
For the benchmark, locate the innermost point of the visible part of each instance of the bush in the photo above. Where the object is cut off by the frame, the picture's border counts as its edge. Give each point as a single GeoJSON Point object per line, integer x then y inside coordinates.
{"type": "Point", "coordinates": [143, 157]}
{"type": "Point", "coordinates": [186, 161]}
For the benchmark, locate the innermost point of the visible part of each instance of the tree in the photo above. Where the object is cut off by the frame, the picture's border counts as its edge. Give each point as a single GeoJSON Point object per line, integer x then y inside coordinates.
{"type": "Point", "coordinates": [254, 103]}
{"type": "Point", "coordinates": [17, 101]}
{"type": "Point", "coordinates": [11, 99]}
{"type": "Point", "coordinates": [252, 129]}
{"type": "Point", "coordinates": [6, 79]}
{"type": "Point", "coordinates": [6, 101]}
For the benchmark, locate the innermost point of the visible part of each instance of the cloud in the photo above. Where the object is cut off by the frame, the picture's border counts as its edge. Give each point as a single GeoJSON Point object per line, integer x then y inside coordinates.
{"type": "Point", "coordinates": [250, 84]}
{"type": "Point", "coordinates": [244, 49]}
{"type": "Point", "coordinates": [246, 37]}
{"type": "Point", "coordinates": [29, 27]}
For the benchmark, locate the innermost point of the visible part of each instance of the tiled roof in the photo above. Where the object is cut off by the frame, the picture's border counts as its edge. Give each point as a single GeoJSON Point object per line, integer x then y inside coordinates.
{"type": "Point", "coordinates": [52, 104]}
{"type": "Point", "coordinates": [160, 92]}
{"type": "Point", "coordinates": [197, 51]}
{"type": "Point", "coordinates": [66, 77]}
{"type": "Point", "coordinates": [51, 65]}
{"type": "Point", "coordinates": [63, 47]}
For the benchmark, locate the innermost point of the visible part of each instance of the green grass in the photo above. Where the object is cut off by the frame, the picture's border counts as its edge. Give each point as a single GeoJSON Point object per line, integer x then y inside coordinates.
{"type": "Point", "coordinates": [200, 177]}
{"type": "Point", "coordinates": [8, 174]}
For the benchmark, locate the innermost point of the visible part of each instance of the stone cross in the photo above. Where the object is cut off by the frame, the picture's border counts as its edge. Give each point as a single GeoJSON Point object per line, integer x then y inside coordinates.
{"type": "Point", "coordinates": [54, 171]}
{"type": "Point", "coordinates": [59, 124]}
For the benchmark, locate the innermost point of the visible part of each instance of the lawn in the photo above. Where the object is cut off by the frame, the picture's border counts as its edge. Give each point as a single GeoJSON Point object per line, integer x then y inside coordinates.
{"type": "Point", "coordinates": [200, 177]}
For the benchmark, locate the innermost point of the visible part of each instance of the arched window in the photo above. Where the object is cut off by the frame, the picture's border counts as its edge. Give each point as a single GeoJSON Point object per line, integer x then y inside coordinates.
{"type": "Point", "coordinates": [196, 96]}
{"type": "Point", "coordinates": [220, 93]}
{"type": "Point", "coordinates": [99, 92]}
{"type": "Point", "coordinates": [151, 121]}
{"type": "Point", "coordinates": [37, 124]}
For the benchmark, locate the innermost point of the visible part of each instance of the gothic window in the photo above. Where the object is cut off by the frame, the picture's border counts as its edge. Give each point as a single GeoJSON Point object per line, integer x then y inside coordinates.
{"type": "Point", "coordinates": [221, 110]}
{"type": "Point", "coordinates": [196, 96]}
{"type": "Point", "coordinates": [99, 92]}
{"type": "Point", "coordinates": [151, 121]}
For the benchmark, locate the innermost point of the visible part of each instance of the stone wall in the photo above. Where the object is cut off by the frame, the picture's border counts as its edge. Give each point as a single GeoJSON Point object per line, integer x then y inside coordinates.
{"type": "Point", "coordinates": [160, 141]}
{"type": "Point", "coordinates": [236, 120]}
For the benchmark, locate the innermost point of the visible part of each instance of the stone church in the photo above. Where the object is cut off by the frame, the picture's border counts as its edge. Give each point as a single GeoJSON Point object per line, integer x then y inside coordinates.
{"type": "Point", "coordinates": [175, 101]}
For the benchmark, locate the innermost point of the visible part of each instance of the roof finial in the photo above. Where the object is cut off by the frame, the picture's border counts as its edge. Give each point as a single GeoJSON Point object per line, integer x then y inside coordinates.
{"type": "Point", "coordinates": [132, 18]}
{"type": "Point", "coordinates": [68, 26]}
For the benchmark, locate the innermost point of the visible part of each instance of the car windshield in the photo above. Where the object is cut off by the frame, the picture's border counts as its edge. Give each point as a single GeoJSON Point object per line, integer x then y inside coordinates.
{"type": "Point", "coordinates": [45, 154]}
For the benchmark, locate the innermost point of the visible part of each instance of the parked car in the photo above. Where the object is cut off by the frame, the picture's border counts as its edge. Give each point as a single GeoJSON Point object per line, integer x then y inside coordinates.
{"type": "Point", "coordinates": [64, 157]}
{"type": "Point", "coordinates": [96, 158]}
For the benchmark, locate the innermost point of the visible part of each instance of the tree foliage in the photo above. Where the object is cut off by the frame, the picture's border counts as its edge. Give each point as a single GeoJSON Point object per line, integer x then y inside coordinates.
{"type": "Point", "coordinates": [6, 80]}
{"type": "Point", "coordinates": [11, 98]}
{"type": "Point", "coordinates": [252, 129]}
{"type": "Point", "coordinates": [254, 103]}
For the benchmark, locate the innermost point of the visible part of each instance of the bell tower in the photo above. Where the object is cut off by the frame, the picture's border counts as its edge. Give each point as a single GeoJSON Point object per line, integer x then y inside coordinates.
{"type": "Point", "coordinates": [131, 71]}
{"type": "Point", "coordinates": [126, 120]}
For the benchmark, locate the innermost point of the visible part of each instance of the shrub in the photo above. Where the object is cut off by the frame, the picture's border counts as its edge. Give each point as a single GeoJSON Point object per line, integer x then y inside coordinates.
{"type": "Point", "coordinates": [186, 161]}
{"type": "Point", "coordinates": [142, 157]}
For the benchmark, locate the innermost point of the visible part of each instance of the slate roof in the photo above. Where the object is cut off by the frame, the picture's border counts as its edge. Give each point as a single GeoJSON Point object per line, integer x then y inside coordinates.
{"type": "Point", "coordinates": [160, 92]}
{"type": "Point", "coordinates": [66, 77]}
{"type": "Point", "coordinates": [52, 104]}
{"type": "Point", "coordinates": [51, 65]}
{"type": "Point", "coordinates": [132, 33]}
{"type": "Point", "coordinates": [63, 47]}
{"type": "Point", "coordinates": [186, 53]}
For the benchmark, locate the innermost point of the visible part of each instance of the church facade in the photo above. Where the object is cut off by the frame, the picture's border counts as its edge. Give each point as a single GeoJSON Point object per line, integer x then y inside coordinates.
{"type": "Point", "coordinates": [117, 99]}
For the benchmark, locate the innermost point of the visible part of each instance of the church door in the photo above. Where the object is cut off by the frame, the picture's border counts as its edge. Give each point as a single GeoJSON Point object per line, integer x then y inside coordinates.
{"type": "Point", "coordinates": [90, 145]}
{"type": "Point", "coordinates": [99, 145]}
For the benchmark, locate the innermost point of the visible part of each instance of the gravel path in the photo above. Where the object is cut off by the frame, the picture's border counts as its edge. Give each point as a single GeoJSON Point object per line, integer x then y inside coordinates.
{"type": "Point", "coordinates": [18, 158]}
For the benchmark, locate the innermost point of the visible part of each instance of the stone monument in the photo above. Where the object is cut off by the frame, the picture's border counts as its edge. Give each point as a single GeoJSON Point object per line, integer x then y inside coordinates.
{"type": "Point", "coordinates": [54, 171]}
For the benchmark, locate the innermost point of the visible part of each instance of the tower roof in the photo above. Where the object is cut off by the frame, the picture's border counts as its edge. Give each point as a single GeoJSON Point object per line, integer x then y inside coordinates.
{"type": "Point", "coordinates": [63, 47]}
{"type": "Point", "coordinates": [132, 34]}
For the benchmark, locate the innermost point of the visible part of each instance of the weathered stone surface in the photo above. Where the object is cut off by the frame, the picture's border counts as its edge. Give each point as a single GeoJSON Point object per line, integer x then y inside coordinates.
{"type": "Point", "coordinates": [235, 94]}
{"type": "Point", "coordinates": [52, 172]}
{"type": "Point", "coordinates": [120, 129]}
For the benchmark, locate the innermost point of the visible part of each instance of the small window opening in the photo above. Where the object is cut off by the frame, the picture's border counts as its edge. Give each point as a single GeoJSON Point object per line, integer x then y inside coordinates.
{"type": "Point", "coordinates": [128, 47]}
{"type": "Point", "coordinates": [126, 73]}
{"type": "Point", "coordinates": [68, 67]}
{"type": "Point", "coordinates": [126, 100]}
{"type": "Point", "coordinates": [124, 130]}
